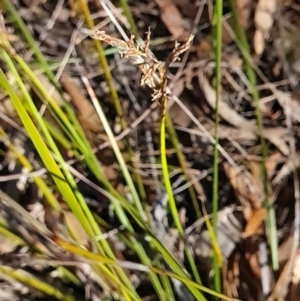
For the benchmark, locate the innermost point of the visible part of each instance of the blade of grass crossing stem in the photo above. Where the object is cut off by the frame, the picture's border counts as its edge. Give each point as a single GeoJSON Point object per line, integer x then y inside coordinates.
{"type": "Point", "coordinates": [46, 67]}
{"type": "Point", "coordinates": [178, 273]}
{"type": "Point", "coordinates": [242, 43]}
{"type": "Point", "coordinates": [33, 46]}
{"type": "Point", "coordinates": [146, 267]}
{"type": "Point", "coordinates": [85, 148]}
{"type": "Point", "coordinates": [113, 93]}
{"type": "Point", "coordinates": [174, 265]}
{"type": "Point", "coordinates": [40, 183]}
{"type": "Point", "coordinates": [190, 284]}
{"type": "Point", "coordinates": [167, 182]}
{"type": "Point", "coordinates": [118, 154]}
{"type": "Point", "coordinates": [30, 281]}
{"type": "Point", "coordinates": [218, 13]}
{"type": "Point", "coordinates": [165, 169]}
{"type": "Point", "coordinates": [71, 196]}
{"type": "Point", "coordinates": [123, 217]}
{"type": "Point", "coordinates": [45, 154]}
{"type": "Point", "coordinates": [181, 159]}
{"type": "Point", "coordinates": [42, 62]}
{"type": "Point", "coordinates": [128, 15]}
{"type": "Point", "coordinates": [102, 57]}
{"type": "Point", "coordinates": [91, 162]}
{"type": "Point", "coordinates": [139, 249]}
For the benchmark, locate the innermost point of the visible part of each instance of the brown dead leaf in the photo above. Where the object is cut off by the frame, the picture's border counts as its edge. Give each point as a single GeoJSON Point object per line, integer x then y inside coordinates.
{"type": "Point", "coordinates": [231, 282]}
{"type": "Point", "coordinates": [244, 275]}
{"type": "Point", "coordinates": [272, 162]}
{"type": "Point", "coordinates": [172, 18]}
{"type": "Point", "coordinates": [86, 111]}
{"type": "Point", "coordinates": [247, 188]}
{"type": "Point", "coordinates": [251, 255]}
{"type": "Point", "coordinates": [295, 289]}
{"type": "Point", "coordinates": [264, 17]}
{"type": "Point", "coordinates": [287, 285]}
{"type": "Point", "coordinates": [254, 223]}
{"type": "Point", "coordinates": [284, 250]}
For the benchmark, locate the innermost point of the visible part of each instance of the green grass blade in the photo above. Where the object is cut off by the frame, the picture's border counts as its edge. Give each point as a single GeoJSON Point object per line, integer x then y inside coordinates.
{"type": "Point", "coordinates": [44, 153]}
{"type": "Point", "coordinates": [166, 174]}
{"type": "Point", "coordinates": [176, 268]}
{"type": "Point", "coordinates": [128, 15]}
{"type": "Point", "coordinates": [183, 164]}
{"type": "Point", "coordinates": [217, 27]}
{"type": "Point", "coordinates": [118, 155]}
{"type": "Point", "coordinates": [30, 281]}
{"type": "Point", "coordinates": [44, 189]}
{"type": "Point", "coordinates": [242, 43]}
{"type": "Point", "coordinates": [15, 16]}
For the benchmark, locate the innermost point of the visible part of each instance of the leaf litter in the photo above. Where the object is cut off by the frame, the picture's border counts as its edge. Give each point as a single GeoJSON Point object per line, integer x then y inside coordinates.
{"type": "Point", "coordinates": [246, 270]}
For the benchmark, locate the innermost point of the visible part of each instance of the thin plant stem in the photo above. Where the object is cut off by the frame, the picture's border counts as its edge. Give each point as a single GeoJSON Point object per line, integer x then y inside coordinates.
{"type": "Point", "coordinates": [218, 12]}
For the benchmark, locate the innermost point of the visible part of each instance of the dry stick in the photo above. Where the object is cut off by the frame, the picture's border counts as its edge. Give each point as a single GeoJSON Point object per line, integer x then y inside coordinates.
{"type": "Point", "coordinates": [50, 23]}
